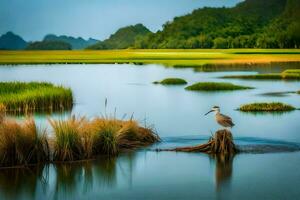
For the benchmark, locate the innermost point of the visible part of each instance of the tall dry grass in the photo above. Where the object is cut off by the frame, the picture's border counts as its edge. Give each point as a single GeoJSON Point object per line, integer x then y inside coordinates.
{"type": "Point", "coordinates": [22, 143]}
{"type": "Point", "coordinates": [79, 138]}
{"type": "Point", "coordinates": [76, 138]}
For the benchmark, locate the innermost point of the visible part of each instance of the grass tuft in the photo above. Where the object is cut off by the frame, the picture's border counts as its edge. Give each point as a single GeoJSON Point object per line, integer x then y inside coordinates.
{"type": "Point", "coordinates": [22, 143]}
{"type": "Point", "coordinates": [171, 81]}
{"type": "Point", "coordinates": [79, 138]}
{"type": "Point", "coordinates": [266, 107]}
{"type": "Point", "coordinates": [21, 97]}
{"type": "Point", "coordinates": [68, 143]}
{"type": "Point", "coordinates": [215, 86]}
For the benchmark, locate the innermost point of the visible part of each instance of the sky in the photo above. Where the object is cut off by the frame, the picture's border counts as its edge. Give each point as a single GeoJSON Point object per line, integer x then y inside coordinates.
{"type": "Point", "coordinates": [33, 19]}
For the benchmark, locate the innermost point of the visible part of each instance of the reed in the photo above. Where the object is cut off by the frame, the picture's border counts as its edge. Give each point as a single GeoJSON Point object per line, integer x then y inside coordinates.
{"type": "Point", "coordinates": [266, 107]}
{"type": "Point", "coordinates": [22, 143]}
{"type": "Point", "coordinates": [215, 86]}
{"type": "Point", "coordinates": [79, 138]}
{"type": "Point", "coordinates": [67, 143]}
{"type": "Point", "coordinates": [171, 81]}
{"type": "Point", "coordinates": [20, 97]}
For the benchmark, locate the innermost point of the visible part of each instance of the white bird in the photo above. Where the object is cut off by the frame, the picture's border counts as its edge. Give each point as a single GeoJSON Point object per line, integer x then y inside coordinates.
{"type": "Point", "coordinates": [223, 120]}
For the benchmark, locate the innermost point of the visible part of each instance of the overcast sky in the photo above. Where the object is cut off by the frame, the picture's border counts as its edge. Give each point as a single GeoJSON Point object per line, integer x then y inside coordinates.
{"type": "Point", "coordinates": [33, 19]}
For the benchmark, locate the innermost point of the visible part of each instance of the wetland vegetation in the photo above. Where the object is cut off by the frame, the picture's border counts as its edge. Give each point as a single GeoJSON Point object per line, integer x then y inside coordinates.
{"type": "Point", "coordinates": [21, 97]}
{"type": "Point", "coordinates": [216, 86]}
{"type": "Point", "coordinates": [290, 74]}
{"type": "Point", "coordinates": [266, 107]}
{"type": "Point", "coordinates": [23, 143]}
{"type": "Point", "coordinates": [171, 81]}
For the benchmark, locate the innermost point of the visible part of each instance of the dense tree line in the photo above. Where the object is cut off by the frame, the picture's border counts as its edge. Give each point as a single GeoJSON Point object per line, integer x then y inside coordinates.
{"type": "Point", "coordinates": [49, 45]}
{"type": "Point", "coordinates": [250, 24]}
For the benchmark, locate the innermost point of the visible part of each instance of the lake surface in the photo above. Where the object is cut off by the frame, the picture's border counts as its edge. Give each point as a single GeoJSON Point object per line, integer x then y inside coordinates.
{"type": "Point", "coordinates": [178, 117]}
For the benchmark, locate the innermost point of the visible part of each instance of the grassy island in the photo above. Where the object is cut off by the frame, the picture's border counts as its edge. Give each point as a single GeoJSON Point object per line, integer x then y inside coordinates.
{"type": "Point", "coordinates": [266, 107]}
{"type": "Point", "coordinates": [290, 74]}
{"type": "Point", "coordinates": [21, 97]}
{"type": "Point", "coordinates": [215, 86]}
{"type": "Point", "coordinates": [23, 143]}
{"type": "Point", "coordinates": [171, 81]}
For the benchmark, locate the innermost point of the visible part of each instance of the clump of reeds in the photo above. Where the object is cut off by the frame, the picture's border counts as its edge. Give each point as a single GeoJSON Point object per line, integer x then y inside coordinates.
{"type": "Point", "coordinates": [79, 138]}
{"type": "Point", "coordinates": [20, 97]}
{"type": "Point", "coordinates": [215, 86]}
{"type": "Point", "coordinates": [22, 143]}
{"type": "Point", "coordinates": [266, 107]}
{"type": "Point", "coordinates": [76, 138]}
{"type": "Point", "coordinates": [171, 81]}
{"type": "Point", "coordinates": [68, 143]}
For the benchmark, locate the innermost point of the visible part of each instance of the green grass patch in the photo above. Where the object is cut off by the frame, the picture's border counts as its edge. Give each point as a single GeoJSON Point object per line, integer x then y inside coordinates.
{"type": "Point", "coordinates": [21, 97]}
{"type": "Point", "coordinates": [171, 81]}
{"type": "Point", "coordinates": [266, 107]}
{"type": "Point", "coordinates": [215, 86]}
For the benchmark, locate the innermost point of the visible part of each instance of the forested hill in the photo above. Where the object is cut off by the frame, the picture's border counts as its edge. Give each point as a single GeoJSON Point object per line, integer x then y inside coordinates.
{"type": "Point", "coordinates": [11, 41]}
{"type": "Point", "coordinates": [125, 37]}
{"type": "Point", "coordinates": [250, 24]}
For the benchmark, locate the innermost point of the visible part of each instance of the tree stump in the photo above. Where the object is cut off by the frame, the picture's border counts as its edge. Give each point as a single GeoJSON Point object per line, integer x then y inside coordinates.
{"type": "Point", "coordinates": [220, 143]}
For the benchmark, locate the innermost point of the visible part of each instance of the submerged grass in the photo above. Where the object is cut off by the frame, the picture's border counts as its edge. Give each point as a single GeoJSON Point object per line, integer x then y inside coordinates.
{"type": "Point", "coordinates": [290, 74]}
{"type": "Point", "coordinates": [215, 86]}
{"type": "Point", "coordinates": [171, 81]}
{"type": "Point", "coordinates": [266, 107]}
{"type": "Point", "coordinates": [21, 97]}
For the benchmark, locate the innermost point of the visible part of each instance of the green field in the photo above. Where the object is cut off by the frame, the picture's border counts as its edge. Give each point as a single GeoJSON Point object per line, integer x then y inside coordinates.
{"type": "Point", "coordinates": [167, 57]}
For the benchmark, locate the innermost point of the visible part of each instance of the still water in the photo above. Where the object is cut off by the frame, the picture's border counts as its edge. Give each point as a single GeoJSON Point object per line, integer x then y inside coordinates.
{"type": "Point", "coordinates": [178, 117]}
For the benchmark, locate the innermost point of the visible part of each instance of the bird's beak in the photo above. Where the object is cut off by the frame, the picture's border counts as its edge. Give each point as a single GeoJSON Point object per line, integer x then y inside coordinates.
{"type": "Point", "coordinates": [209, 112]}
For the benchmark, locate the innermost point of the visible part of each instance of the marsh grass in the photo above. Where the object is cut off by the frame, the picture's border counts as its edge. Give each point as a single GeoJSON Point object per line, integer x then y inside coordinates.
{"type": "Point", "coordinates": [21, 97]}
{"type": "Point", "coordinates": [67, 143]}
{"type": "Point", "coordinates": [266, 107]}
{"type": "Point", "coordinates": [22, 143]}
{"type": "Point", "coordinates": [171, 81]}
{"type": "Point", "coordinates": [79, 138]}
{"type": "Point", "coordinates": [215, 86]}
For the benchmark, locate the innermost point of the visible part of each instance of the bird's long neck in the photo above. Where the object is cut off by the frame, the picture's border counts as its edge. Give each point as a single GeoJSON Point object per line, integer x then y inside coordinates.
{"type": "Point", "coordinates": [217, 112]}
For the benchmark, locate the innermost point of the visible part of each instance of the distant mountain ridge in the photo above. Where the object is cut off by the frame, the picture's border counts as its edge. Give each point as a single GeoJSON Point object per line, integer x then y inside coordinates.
{"type": "Point", "coordinates": [11, 41]}
{"type": "Point", "coordinates": [123, 38]}
{"type": "Point", "coordinates": [76, 43]}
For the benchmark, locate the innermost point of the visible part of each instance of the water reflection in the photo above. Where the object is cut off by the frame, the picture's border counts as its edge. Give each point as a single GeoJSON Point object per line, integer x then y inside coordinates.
{"type": "Point", "coordinates": [62, 181]}
{"type": "Point", "coordinates": [22, 183]}
{"type": "Point", "coordinates": [223, 170]}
